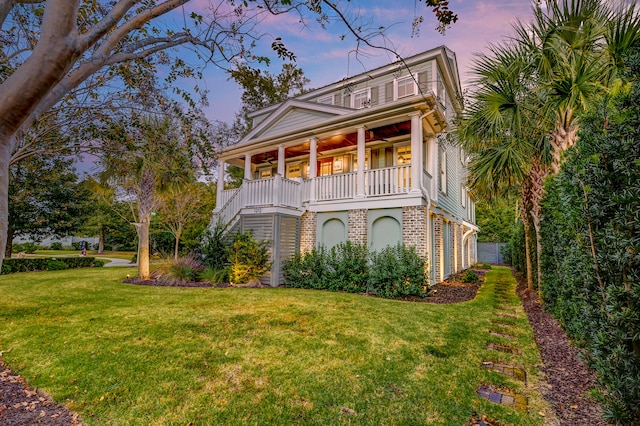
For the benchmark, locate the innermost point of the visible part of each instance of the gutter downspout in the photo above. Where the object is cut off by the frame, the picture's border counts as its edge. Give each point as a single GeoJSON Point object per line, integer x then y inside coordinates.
{"type": "Point", "coordinates": [426, 191]}
{"type": "Point", "coordinates": [473, 229]}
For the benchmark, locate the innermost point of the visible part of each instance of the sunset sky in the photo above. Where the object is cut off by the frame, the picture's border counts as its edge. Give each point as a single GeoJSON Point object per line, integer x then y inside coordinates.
{"type": "Point", "coordinates": [325, 58]}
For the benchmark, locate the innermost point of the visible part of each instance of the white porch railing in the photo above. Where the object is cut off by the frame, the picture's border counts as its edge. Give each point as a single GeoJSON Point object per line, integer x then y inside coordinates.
{"type": "Point", "coordinates": [335, 187]}
{"type": "Point", "coordinates": [226, 196]}
{"type": "Point", "coordinates": [388, 181]}
{"type": "Point", "coordinates": [275, 191]}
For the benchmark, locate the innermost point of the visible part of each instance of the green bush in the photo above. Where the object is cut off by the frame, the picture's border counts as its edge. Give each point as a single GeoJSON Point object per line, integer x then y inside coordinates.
{"type": "Point", "coordinates": [248, 258]}
{"type": "Point", "coordinates": [56, 265]}
{"type": "Point", "coordinates": [346, 268]}
{"type": "Point", "coordinates": [397, 271]}
{"type": "Point", "coordinates": [214, 248]}
{"type": "Point", "coordinates": [393, 272]}
{"type": "Point", "coordinates": [305, 270]}
{"type": "Point", "coordinates": [214, 275]}
{"type": "Point", "coordinates": [42, 263]}
{"type": "Point", "coordinates": [469, 276]}
{"type": "Point", "coordinates": [56, 245]}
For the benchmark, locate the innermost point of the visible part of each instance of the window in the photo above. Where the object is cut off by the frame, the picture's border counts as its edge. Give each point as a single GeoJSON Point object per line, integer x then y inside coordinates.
{"type": "Point", "coordinates": [405, 87]}
{"type": "Point", "coordinates": [463, 196]}
{"type": "Point", "coordinates": [294, 171]}
{"type": "Point", "coordinates": [442, 182]}
{"type": "Point", "coordinates": [360, 99]}
{"type": "Point", "coordinates": [326, 100]}
{"type": "Point", "coordinates": [404, 155]}
{"type": "Point", "coordinates": [265, 173]}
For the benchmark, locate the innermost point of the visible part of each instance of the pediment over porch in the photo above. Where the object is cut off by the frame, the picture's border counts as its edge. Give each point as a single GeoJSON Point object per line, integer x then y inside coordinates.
{"type": "Point", "coordinates": [293, 115]}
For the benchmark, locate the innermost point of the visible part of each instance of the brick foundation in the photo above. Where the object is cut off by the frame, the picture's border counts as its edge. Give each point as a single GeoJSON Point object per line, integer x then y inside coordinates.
{"type": "Point", "coordinates": [308, 231]}
{"type": "Point", "coordinates": [357, 226]}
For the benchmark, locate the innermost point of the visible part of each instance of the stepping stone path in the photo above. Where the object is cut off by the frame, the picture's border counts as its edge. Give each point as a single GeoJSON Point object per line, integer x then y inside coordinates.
{"type": "Point", "coordinates": [502, 325]}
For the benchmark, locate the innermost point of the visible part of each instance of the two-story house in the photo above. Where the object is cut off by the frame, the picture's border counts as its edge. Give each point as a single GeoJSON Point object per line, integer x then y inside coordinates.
{"type": "Point", "coordinates": [363, 159]}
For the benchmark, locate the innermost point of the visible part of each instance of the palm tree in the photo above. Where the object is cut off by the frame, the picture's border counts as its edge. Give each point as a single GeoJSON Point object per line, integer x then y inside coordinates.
{"type": "Point", "coordinates": [528, 91]}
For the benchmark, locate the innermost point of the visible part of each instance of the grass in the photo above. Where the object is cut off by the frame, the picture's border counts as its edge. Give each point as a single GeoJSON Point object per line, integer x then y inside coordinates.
{"type": "Point", "coordinates": [121, 354]}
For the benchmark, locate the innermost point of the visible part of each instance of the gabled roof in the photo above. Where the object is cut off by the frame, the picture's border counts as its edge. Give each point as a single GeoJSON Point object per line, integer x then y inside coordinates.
{"type": "Point", "coordinates": [293, 112]}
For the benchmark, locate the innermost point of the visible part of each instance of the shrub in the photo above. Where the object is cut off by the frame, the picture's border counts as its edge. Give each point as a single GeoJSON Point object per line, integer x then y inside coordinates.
{"type": "Point", "coordinates": [397, 271]}
{"type": "Point", "coordinates": [214, 275]}
{"type": "Point", "coordinates": [182, 270]}
{"type": "Point", "coordinates": [42, 264]}
{"type": "Point", "coordinates": [56, 245]}
{"type": "Point", "coordinates": [484, 265]}
{"type": "Point", "coordinates": [305, 270]}
{"type": "Point", "coordinates": [346, 268]}
{"type": "Point", "coordinates": [56, 265]}
{"type": "Point", "coordinates": [393, 272]}
{"type": "Point", "coordinates": [469, 276]}
{"type": "Point", "coordinates": [248, 258]}
{"type": "Point", "coordinates": [214, 248]}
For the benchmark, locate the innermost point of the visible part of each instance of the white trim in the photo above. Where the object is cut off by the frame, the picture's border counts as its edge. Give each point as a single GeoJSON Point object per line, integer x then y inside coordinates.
{"type": "Point", "coordinates": [326, 100]}
{"type": "Point", "coordinates": [366, 92]}
{"type": "Point", "coordinates": [412, 81]}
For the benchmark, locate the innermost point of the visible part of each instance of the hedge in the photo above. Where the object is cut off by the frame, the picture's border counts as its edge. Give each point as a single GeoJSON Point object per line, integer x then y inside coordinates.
{"type": "Point", "coordinates": [48, 264]}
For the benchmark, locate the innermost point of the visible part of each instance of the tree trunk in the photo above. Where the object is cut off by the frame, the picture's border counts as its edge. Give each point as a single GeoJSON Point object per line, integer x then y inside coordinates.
{"type": "Point", "coordinates": [101, 241]}
{"type": "Point", "coordinates": [9, 248]}
{"type": "Point", "coordinates": [562, 138]}
{"type": "Point", "coordinates": [527, 251]}
{"type": "Point", "coordinates": [5, 158]}
{"type": "Point", "coordinates": [145, 207]}
{"type": "Point", "coordinates": [143, 247]}
{"type": "Point", "coordinates": [536, 227]}
{"type": "Point", "coordinates": [177, 245]}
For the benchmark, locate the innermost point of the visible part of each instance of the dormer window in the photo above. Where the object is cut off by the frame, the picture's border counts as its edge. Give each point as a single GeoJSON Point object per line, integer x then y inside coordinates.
{"type": "Point", "coordinates": [405, 86]}
{"type": "Point", "coordinates": [328, 100]}
{"type": "Point", "coordinates": [361, 99]}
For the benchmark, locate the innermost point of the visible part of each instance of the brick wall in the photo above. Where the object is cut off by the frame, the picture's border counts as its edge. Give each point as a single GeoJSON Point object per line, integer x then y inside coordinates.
{"type": "Point", "coordinates": [357, 226]}
{"type": "Point", "coordinates": [308, 231]}
{"type": "Point", "coordinates": [414, 229]}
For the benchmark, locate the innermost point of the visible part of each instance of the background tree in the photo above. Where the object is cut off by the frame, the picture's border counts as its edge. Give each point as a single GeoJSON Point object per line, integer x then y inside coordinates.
{"type": "Point", "coordinates": [496, 219]}
{"type": "Point", "coordinates": [52, 47]}
{"type": "Point", "coordinates": [189, 204]}
{"type": "Point", "coordinates": [147, 154]}
{"type": "Point", "coordinates": [45, 199]}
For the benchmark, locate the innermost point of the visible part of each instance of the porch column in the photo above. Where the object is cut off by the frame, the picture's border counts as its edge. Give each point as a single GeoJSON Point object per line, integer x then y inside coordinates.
{"type": "Point", "coordinates": [360, 158]}
{"type": "Point", "coordinates": [247, 167]}
{"type": "Point", "coordinates": [281, 160]}
{"type": "Point", "coordinates": [220, 185]}
{"type": "Point", "coordinates": [416, 152]}
{"type": "Point", "coordinates": [313, 167]}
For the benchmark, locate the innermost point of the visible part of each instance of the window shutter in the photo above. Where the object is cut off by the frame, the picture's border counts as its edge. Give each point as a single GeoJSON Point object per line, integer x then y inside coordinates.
{"type": "Point", "coordinates": [388, 92]}
{"type": "Point", "coordinates": [374, 96]}
{"type": "Point", "coordinates": [337, 99]}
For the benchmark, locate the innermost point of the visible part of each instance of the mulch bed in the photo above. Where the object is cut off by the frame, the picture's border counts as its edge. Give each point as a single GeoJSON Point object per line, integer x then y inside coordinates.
{"type": "Point", "coordinates": [22, 405]}
{"type": "Point", "coordinates": [568, 379]}
{"type": "Point", "coordinates": [453, 290]}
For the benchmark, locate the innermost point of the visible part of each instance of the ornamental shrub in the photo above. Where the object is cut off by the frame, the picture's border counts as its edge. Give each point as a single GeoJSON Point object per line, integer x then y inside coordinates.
{"type": "Point", "coordinates": [248, 258]}
{"type": "Point", "coordinates": [469, 276]}
{"type": "Point", "coordinates": [392, 272]}
{"type": "Point", "coordinates": [397, 271]}
{"type": "Point", "coordinates": [56, 265]}
{"type": "Point", "coordinates": [56, 245]}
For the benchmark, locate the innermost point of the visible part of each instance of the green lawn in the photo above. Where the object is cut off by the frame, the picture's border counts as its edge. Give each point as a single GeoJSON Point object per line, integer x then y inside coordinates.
{"type": "Point", "coordinates": [121, 354]}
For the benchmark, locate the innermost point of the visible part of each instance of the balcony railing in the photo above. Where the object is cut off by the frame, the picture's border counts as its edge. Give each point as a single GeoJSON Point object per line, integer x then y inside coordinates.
{"type": "Point", "coordinates": [281, 192]}
{"type": "Point", "coordinates": [335, 187]}
{"type": "Point", "coordinates": [387, 181]}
